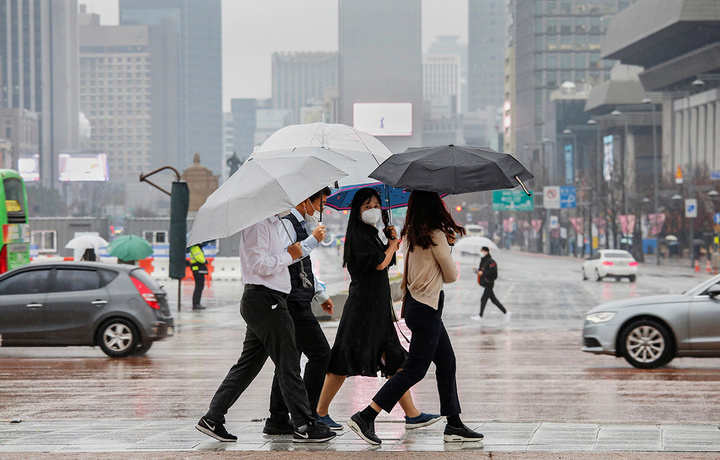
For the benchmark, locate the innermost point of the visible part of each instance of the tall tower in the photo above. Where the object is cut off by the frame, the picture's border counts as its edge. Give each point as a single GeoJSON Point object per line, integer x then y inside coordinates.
{"type": "Point", "coordinates": [299, 79]}
{"type": "Point", "coordinates": [199, 76]}
{"type": "Point", "coordinates": [486, 53]}
{"type": "Point", "coordinates": [380, 69]}
{"type": "Point", "coordinates": [555, 42]}
{"type": "Point", "coordinates": [39, 56]}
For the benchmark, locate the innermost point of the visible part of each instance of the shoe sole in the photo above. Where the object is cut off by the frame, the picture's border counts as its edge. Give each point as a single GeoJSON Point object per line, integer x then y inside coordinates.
{"type": "Point", "coordinates": [413, 426]}
{"type": "Point", "coordinates": [356, 428]}
{"type": "Point", "coordinates": [458, 438]}
{"type": "Point", "coordinates": [212, 434]}
{"type": "Point", "coordinates": [303, 440]}
{"type": "Point", "coordinates": [276, 432]}
{"type": "Point", "coordinates": [335, 428]}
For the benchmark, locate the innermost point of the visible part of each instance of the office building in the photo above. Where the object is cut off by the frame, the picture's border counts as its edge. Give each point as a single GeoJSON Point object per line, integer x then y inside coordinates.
{"type": "Point", "coordinates": [299, 79]}
{"type": "Point", "coordinates": [380, 69]}
{"type": "Point", "coordinates": [128, 92]}
{"type": "Point", "coordinates": [199, 77]}
{"type": "Point", "coordinates": [555, 42]}
{"type": "Point", "coordinates": [442, 78]}
{"type": "Point", "coordinates": [39, 62]}
{"type": "Point", "coordinates": [244, 117]}
{"type": "Point", "coordinates": [486, 47]}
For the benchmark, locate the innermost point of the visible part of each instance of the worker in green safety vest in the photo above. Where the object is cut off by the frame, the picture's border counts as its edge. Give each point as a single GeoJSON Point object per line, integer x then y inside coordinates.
{"type": "Point", "coordinates": [199, 269]}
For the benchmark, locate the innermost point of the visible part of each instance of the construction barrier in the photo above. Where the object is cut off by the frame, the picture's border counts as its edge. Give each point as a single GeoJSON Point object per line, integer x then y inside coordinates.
{"type": "Point", "coordinates": [226, 268]}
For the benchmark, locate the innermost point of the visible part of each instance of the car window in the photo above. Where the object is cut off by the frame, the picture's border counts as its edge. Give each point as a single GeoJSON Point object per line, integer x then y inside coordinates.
{"type": "Point", "coordinates": [68, 280]}
{"type": "Point", "coordinates": [617, 255]}
{"type": "Point", "coordinates": [595, 257]}
{"type": "Point", "coordinates": [28, 282]}
{"type": "Point", "coordinates": [106, 277]}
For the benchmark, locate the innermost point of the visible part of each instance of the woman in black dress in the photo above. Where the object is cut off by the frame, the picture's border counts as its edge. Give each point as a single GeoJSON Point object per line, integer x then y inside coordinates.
{"type": "Point", "coordinates": [366, 341]}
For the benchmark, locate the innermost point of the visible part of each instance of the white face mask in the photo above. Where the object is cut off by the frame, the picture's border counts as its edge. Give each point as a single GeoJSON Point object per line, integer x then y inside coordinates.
{"type": "Point", "coordinates": [314, 217]}
{"type": "Point", "coordinates": [483, 253]}
{"type": "Point", "coordinates": [371, 216]}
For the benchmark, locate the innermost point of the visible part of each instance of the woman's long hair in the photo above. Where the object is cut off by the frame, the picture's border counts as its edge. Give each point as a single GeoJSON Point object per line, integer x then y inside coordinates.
{"type": "Point", "coordinates": [355, 220]}
{"type": "Point", "coordinates": [426, 213]}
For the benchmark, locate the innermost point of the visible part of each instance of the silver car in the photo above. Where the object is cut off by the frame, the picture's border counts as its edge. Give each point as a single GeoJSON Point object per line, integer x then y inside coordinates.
{"type": "Point", "coordinates": [650, 331]}
{"type": "Point", "coordinates": [119, 308]}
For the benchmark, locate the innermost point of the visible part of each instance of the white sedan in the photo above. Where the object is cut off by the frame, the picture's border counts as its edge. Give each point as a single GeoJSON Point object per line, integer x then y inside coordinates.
{"type": "Point", "coordinates": [613, 263]}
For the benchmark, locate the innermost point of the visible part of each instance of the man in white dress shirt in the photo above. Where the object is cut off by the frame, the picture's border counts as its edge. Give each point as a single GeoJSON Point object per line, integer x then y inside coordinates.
{"type": "Point", "coordinates": [309, 337]}
{"type": "Point", "coordinates": [269, 332]}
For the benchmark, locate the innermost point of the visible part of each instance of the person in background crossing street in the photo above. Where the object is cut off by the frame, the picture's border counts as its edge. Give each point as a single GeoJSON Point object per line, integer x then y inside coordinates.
{"type": "Point", "coordinates": [487, 274]}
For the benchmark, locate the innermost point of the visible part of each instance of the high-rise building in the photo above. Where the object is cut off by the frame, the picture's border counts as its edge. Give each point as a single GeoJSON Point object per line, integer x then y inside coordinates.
{"type": "Point", "coordinates": [128, 92]}
{"type": "Point", "coordinates": [486, 48]}
{"type": "Point", "coordinates": [199, 77]}
{"type": "Point", "coordinates": [39, 56]}
{"type": "Point", "coordinates": [448, 44]}
{"type": "Point", "coordinates": [380, 71]}
{"type": "Point", "coordinates": [555, 42]}
{"type": "Point", "coordinates": [441, 77]}
{"type": "Point", "coordinates": [244, 115]}
{"type": "Point", "coordinates": [299, 79]}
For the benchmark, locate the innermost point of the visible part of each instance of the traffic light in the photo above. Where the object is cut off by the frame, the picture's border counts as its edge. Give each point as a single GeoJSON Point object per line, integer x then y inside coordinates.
{"type": "Point", "coordinates": [458, 208]}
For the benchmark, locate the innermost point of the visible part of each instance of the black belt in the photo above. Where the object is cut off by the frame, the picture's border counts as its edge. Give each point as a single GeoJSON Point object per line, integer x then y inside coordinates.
{"type": "Point", "coordinates": [260, 287]}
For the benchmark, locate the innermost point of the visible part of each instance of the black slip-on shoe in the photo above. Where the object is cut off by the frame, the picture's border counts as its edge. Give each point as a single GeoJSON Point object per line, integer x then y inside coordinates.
{"type": "Point", "coordinates": [463, 434]}
{"type": "Point", "coordinates": [214, 430]}
{"type": "Point", "coordinates": [313, 432]}
{"type": "Point", "coordinates": [364, 429]}
{"type": "Point", "coordinates": [273, 427]}
{"type": "Point", "coordinates": [198, 307]}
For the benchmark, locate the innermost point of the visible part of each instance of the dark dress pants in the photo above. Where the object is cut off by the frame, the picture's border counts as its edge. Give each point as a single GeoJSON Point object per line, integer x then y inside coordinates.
{"type": "Point", "coordinates": [489, 294]}
{"type": "Point", "coordinates": [270, 332]}
{"type": "Point", "coordinates": [311, 341]}
{"type": "Point", "coordinates": [199, 286]}
{"type": "Point", "coordinates": [429, 343]}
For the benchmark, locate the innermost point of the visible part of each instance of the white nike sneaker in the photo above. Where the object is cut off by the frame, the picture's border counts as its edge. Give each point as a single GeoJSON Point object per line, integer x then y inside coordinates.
{"type": "Point", "coordinates": [507, 317]}
{"type": "Point", "coordinates": [477, 318]}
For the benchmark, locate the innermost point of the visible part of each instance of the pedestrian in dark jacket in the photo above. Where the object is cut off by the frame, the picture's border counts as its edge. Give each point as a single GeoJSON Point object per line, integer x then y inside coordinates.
{"type": "Point", "coordinates": [487, 274]}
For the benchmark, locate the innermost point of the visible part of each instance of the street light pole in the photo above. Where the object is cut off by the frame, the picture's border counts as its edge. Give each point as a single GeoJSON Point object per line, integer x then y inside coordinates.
{"type": "Point", "coordinates": [655, 157]}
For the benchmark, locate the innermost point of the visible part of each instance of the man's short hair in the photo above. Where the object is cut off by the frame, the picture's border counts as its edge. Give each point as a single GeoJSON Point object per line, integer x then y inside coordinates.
{"type": "Point", "coordinates": [324, 192]}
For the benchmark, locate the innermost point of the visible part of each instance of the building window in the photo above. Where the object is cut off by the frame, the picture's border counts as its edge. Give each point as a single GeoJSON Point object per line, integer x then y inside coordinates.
{"type": "Point", "coordinates": [45, 240]}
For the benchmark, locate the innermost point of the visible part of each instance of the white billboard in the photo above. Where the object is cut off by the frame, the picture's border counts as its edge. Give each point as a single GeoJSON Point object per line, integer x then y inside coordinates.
{"type": "Point", "coordinates": [83, 167]}
{"type": "Point", "coordinates": [29, 167]}
{"type": "Point", "coordinates": [383, 119]}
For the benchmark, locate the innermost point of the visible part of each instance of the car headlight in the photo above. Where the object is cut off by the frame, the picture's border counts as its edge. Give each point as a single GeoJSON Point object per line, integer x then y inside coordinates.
{"type": "Point", "coordinates": [600, 317]}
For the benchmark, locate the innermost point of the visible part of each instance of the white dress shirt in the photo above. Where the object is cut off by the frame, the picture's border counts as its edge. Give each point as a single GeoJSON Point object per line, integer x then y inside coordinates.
{"type": "Point", "coordinates": [263, 258]}
{"type": "Point", "coordinates": [307, 245]}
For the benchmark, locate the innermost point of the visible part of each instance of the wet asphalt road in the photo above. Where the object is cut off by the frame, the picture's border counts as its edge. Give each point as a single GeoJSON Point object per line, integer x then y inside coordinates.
{"type": "Point", "coordinates": [531, 370]}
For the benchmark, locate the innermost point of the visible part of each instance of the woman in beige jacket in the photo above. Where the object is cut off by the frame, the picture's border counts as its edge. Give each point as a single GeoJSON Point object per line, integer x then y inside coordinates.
{"type": "Point", "coordinates": [428, 232]}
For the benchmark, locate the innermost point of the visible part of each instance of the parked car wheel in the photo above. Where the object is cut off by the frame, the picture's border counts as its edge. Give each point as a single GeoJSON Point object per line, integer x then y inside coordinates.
{"type": "Point", "coordinates": [142, 349]}
{"type": "Point", "coordinates": [118, 338]}
{"type": "Point", "coordinates": [583, 274]}
{"type": "Point", "coordinates": [597, 275]}
{"type": "Point", "coordinates": [646, 344]}
{"type": "Point", "coordinates": [632, 278]}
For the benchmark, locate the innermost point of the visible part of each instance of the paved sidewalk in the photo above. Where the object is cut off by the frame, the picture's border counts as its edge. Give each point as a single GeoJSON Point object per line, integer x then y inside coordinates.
{"type": "Point", "coordinates": [181, 436]}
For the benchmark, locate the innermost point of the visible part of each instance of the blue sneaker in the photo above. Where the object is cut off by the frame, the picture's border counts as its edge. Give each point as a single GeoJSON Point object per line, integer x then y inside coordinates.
{"type": "Point", "coordinates": [421, 420]}
{"type": "Point", "coordinates": [330, 423]}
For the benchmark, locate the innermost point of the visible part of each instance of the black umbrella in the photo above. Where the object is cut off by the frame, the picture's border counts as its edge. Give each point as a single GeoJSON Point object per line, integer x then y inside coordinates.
{"type": "Point", "coordinates": [452, 169]}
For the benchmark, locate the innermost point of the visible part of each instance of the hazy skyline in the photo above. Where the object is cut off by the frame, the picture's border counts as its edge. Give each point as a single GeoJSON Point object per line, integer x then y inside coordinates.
{"type": "Point", "coordinates": [253, 30]}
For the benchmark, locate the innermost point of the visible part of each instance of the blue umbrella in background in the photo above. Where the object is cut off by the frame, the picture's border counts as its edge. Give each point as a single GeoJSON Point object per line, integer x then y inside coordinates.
{"type": "Point", "coordinates": [390, 197]}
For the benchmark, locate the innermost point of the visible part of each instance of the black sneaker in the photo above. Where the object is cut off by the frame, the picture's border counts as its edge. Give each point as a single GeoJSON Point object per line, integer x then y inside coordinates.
{"type": "Point", "coordinates": [463, 434]}
{"type": "Point", "coordinates": [273, 427]}
{"type": "Point", "coordinates": [214, 430]}
{"type": "Point", "coordinates": [313, 432]}
{"type": "Point", "coordinates": [364, 429]}
{"type": "Point", "coordinates": [198, 307]}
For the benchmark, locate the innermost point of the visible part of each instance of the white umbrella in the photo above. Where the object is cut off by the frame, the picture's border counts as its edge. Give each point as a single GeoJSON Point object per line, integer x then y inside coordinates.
{"type": "Point", "coordinates": [261, 188]}
{"type": "Point", "coordinates": [473, 244]}
{"type": "Point", "coordinates": [368, 152]}
{"type": "Point", "coordinates": [86, 242]}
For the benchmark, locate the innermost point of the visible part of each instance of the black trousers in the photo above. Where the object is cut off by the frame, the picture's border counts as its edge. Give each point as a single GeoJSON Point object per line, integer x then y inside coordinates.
{"type": "Point", "coordinates": [489, 294]}
{"type": "Point", "coordinates": [311, 341]}
{"type": "Point", "coordinates": [429, 343]}
{"type": "Point", "coordinates": [270, 332]}
{"type": "Point", "coordinates": [199, 286]}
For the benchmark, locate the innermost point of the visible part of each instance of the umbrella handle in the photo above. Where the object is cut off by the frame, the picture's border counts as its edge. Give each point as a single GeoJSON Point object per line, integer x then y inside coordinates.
{"type": "Point", "coordinates": [523, 186]}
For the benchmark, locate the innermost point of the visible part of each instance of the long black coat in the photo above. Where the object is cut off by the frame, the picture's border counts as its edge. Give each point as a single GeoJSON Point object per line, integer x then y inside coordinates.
{"type": "Point", "coordinates": [366, 335]}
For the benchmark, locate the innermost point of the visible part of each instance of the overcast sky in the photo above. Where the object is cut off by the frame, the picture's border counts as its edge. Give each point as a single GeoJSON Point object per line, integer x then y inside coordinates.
{"type": "Point", "coordinates": [254, 29]}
